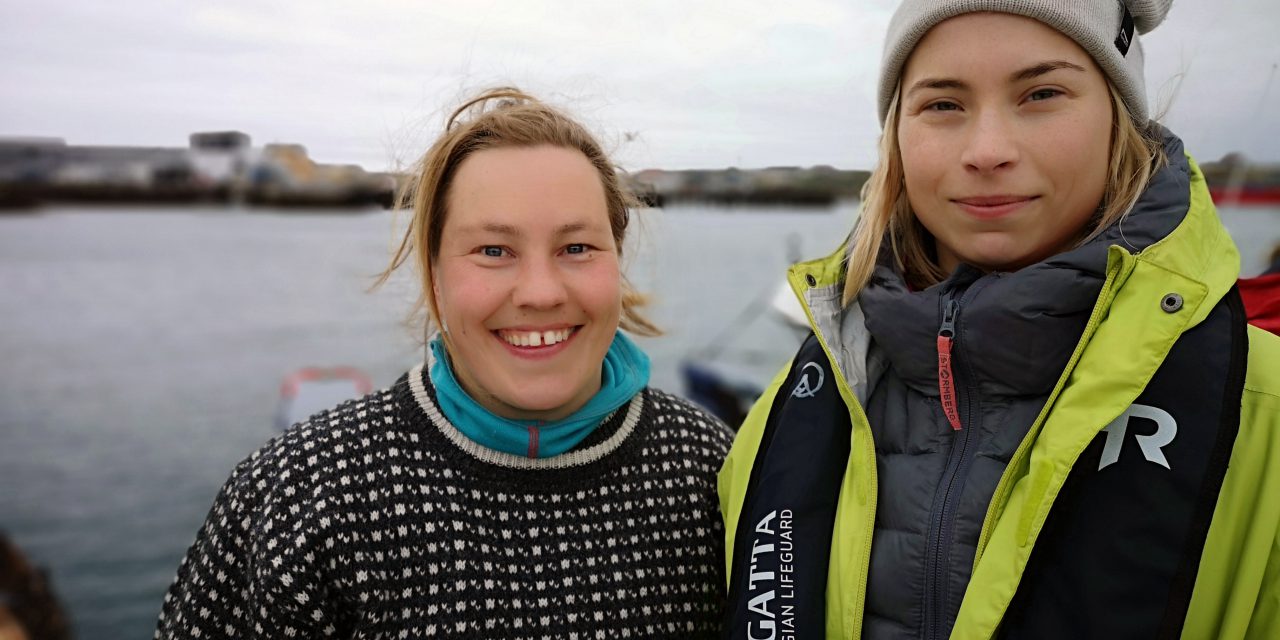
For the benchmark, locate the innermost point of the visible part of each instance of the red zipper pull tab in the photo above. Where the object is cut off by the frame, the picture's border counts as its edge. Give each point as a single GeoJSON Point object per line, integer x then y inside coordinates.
{"type": "Point", "coordinates": [533, 438]}
{"type": "Point", "coordinates": [946, 382]}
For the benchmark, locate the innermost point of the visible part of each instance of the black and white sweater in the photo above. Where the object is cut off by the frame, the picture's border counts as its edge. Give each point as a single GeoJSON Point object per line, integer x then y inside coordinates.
{"type": "Point", "coordinates": [379, 519]}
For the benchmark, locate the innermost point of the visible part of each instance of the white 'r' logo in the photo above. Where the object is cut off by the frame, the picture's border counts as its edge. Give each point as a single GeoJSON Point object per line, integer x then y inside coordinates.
{"type": "Point", "coordinates": [805, 389]}
{"type": "Point", "coordinates": [1166, 429]}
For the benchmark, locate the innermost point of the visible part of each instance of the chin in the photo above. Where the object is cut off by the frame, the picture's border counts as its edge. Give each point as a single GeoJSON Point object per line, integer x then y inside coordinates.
{"type": "Point", "coordinates": [533, 404]}
{"type": "Point", "coordinates": [997, 257]}
{"type": "Point", "coordinates": [541, 398]}
{"type": "Point", "coordinates": [998, 263]}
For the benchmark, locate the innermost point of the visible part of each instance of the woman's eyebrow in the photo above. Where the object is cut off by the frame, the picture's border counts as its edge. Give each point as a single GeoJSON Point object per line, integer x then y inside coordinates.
{"type": "Point", "coordinates": [936, 83]}
{"type": "Point", "coordinates": [575, 227]}
{"type": "Point", "coordinates": [500, 229]}
{"type": "Point", "coordinates": [1038, 70]}
{"type": "Point", "coordinates": [1029, 73]}
{"type": "Point", "coordinates": [515, 232]}
{"type": "Point", "coordinates": [488, 229]}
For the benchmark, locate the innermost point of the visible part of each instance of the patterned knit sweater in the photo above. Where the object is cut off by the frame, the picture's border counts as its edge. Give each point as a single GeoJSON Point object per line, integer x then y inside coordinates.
{"type": "Point", "coordinates": [379, 519]}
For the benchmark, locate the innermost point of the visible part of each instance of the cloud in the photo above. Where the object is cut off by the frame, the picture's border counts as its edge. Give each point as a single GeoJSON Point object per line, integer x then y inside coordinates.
{"type": "Point", "coordinates": [697, 84]}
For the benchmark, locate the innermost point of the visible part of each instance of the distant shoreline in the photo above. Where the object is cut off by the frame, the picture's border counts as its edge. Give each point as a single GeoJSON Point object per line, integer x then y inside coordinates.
{"type": "Point", "coordinates": [222, 167]}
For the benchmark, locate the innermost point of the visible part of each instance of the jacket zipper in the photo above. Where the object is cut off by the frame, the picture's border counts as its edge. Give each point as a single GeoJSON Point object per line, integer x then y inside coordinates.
{"type": "Point", "coordinates": [956, 406]}
{"type": "Point", "coordinates": [535, 434]}
{"type": "Point", "coordinates": [946, 381]}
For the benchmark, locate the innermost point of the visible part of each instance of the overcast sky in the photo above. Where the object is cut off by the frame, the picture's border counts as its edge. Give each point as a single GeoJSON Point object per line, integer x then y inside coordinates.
{"type": "Point", "coordinates": [691, 83]}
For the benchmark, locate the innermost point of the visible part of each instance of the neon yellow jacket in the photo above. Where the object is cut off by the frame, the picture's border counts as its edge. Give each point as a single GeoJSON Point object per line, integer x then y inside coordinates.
{"type": "Point", "coordinates": [1237, 589]}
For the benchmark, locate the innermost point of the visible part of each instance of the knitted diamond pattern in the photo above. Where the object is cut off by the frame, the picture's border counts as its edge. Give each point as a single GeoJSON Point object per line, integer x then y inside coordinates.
{"type": "Point", "coordinates": [371, 521]}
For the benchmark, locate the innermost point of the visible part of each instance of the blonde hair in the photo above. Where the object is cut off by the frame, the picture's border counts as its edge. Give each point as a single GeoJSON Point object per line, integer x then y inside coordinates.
{"type": "Point", "coordinates": [497, 118]}
{"type": "Point", "coordinates": [1136, 153]}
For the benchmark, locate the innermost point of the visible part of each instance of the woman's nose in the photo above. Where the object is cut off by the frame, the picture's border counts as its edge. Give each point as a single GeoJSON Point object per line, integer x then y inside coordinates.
{"type": "Point", "coordinates": [541, 285]}
{"type": "Point", "coordinates": [991, 144]}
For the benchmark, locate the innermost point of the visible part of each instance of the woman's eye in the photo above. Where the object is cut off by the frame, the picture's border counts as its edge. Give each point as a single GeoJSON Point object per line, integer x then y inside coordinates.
{"type": "Point", "coordinates": [1044, 94]}
{"type": "Point", "coordinates": [492, 251]}
{"type": "Point", "coordinates": [943, 106]}
{"type": "Point", "coordinates": [576, 249]}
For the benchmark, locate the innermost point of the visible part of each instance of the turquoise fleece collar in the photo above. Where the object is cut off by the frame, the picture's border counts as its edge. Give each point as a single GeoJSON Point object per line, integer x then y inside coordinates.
{"type": "Point", "coordinates": [623, 374]}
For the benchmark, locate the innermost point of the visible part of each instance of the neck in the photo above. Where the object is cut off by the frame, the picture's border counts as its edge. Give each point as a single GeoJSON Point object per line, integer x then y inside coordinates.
{"type": "Point", "coordinates": [622, 374]}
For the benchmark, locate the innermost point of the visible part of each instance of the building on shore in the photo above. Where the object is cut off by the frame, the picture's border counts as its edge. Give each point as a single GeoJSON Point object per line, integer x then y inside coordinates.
{"type": "Point", "coordinates": [796, 186]}
{"type": "Point", "coordinates": [216, 166]}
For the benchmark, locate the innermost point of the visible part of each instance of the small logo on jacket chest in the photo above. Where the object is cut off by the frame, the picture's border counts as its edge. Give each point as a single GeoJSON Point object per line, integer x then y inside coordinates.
{"type": "Point", "coordinates": [1151, 445]}
{"type": "Point", "coordinates": [805, 388]}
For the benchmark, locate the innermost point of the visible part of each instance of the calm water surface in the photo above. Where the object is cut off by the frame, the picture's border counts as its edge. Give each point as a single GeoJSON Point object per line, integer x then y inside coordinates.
{"type": "Point", "coordinates": [142, 352]}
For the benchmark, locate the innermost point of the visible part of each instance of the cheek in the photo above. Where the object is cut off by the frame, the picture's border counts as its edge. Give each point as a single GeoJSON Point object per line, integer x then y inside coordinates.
{"type": "Point", "coordinates": [465, 292]}
{"type": "Point", "coordinates": [1081, 143]}
{"type": "Point", "coordinates": [924, 160]}
{"type": "Point", "coordinates": [1078, 156]}
{"type": "Point", "coordinates": [920, 183]}
{"type": "Point", "coordinates": [600, 287]}
{"type": "Point", "coordinates": [909, 152]}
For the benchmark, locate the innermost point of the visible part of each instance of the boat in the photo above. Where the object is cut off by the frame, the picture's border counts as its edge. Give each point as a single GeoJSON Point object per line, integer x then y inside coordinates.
{"type": "Point", "coordinates": [710, 382]}
{"type": "Point", "coordinates": [310, 390]}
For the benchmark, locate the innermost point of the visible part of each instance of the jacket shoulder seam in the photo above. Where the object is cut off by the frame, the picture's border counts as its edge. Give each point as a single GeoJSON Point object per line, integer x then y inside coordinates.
{"type": "Point", "coordinates": [1265, 392]}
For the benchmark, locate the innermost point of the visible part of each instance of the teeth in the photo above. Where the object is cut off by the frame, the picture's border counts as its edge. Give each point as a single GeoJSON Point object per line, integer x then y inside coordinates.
{"type": "Point", "coordinates": [535, 338]}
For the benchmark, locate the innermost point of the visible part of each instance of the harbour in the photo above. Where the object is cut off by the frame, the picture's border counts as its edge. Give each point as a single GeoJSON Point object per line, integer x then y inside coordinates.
{"type": "Point", "coordinates": [144, 350]}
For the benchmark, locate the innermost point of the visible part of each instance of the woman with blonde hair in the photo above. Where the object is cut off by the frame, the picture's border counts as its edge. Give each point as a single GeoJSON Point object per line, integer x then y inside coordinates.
{"type": "Point", "coordinates": [1030, 406]}
{"type": "Point", "coordinates": [524, 481]}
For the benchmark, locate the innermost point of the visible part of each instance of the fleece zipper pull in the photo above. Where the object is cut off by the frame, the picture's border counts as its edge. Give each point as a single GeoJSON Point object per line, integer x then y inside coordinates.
{"type": "Point", "coordinates": [946, 381]}
{"type": "Point", "coordinates": [533, 438]}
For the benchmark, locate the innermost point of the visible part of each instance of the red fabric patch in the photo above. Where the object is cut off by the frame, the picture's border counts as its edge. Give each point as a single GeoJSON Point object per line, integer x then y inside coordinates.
{"type": "Point", "coordinates": [1261, 297]}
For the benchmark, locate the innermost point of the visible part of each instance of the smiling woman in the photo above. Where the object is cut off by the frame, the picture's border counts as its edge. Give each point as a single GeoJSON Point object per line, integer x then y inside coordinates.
{"type": "Point", "coordinates": [1046, 416]}
{"type": "Point", "coordinates": [524, 481]}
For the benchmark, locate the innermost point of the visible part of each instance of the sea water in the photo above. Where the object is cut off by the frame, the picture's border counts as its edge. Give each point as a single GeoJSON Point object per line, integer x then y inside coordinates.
{"type": "Point", "coordinates": [142, 352]}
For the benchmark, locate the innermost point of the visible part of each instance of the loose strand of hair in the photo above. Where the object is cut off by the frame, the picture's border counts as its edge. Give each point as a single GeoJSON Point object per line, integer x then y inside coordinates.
{"type": "Point", "coordinates": [875, 218]}
{"type": "Point", "coordinates": [1137, 153]}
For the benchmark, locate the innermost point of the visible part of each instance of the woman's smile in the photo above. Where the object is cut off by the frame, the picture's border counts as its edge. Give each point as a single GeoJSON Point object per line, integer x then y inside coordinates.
{"type": "Point", "coordinates": [535, 337]}
{"type": "Point", "coordinates": [537, 344]}
{"type": "Point", "coordinates": [993, 207]}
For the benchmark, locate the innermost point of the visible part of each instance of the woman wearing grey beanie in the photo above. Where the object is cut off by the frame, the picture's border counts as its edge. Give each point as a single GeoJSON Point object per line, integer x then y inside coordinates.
{"type": "Point", "coordinates": [1030, 406]}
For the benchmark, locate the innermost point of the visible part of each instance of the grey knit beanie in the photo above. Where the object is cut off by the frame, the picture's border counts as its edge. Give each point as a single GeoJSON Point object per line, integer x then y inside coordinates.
{"type": "Point", "coordinates": [1107, 29]}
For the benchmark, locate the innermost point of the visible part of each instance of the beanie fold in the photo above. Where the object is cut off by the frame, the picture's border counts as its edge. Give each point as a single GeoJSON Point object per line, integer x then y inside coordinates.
{"type": "Point", "coordinates": [1106, 29]}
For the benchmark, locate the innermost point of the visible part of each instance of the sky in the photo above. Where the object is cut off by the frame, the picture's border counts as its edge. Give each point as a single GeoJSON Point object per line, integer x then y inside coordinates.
{"type": "Point", "coordinates": [666, 84]}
